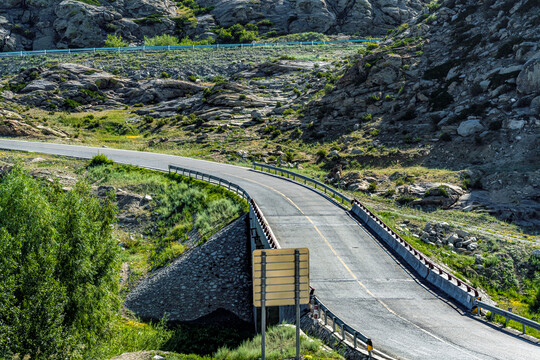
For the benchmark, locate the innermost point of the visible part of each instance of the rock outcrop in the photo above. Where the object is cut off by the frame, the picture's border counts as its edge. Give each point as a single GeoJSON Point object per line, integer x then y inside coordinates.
{"type": "Point", "coordinates": [49, 24]}
{"type": "Point", "coordinates": [69, 86]}
{"type": "Point", "coordinates": [461, 82]}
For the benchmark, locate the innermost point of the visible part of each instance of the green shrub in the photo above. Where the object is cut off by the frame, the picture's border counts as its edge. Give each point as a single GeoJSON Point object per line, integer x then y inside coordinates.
{"type": "Point", "coordinates": [289, 156]}
{"type": "Point", "coordinates": [70, 103]}
{"type": "Point", "coordinates": [150, 20]}
{"type": "Point", "coordinates": [161, 40]}
{"type": "Point", "coordinates": [535, 306]}
{"type": "Point", "coordinates": [288, 112]}
{"type": "Point", "coordinates": [372, 187]}
{"type": "Point", "coordinates": [59, 268]}
{"type": "Point", "coordinates": [90, 2]}
{"type": "Point", "coordinates": [367, 117]}
{"type": "Point", "coordinates": [165, 75]}
{"type": "Point", "coordinates": [322, 153]}
{"type": "Point", "coordinates": [114, 40]}
{"type": "Point", "coordinates": [100, 159]}
{"type": "Point", "coordinates": [405, 199]}
{"type": "Point", "coordinates": [275, 133]}
{"type": "Point", "coordinates": [187, 41]}
{"type": "Point", "coordinates": [389, 193]}
{"type": "Point", "coordinates": [267, 23]}
{"type": "Point", "coordinates": [237, 34]}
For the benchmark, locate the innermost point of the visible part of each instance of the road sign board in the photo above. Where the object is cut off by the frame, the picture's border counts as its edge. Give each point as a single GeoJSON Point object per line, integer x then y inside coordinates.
{"type": "Point", "coordinates": [275, 275]}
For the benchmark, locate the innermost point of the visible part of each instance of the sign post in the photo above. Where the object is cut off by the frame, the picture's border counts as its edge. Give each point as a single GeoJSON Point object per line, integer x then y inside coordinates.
{"type": "Point", "coordinates": [280, 277]}
{"type": "Point", "coordinates": [297, 299]}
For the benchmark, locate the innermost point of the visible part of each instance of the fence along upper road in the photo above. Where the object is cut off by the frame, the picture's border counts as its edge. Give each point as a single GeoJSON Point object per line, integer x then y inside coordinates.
{"type": "Point", "coordinates": [174, 47]}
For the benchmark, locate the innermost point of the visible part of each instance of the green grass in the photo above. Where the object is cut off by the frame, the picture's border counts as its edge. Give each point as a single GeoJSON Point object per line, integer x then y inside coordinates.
{"type": "Point", "coordinates": [280, 344]}
{"type": "Point", "coordinates": [180, 205]}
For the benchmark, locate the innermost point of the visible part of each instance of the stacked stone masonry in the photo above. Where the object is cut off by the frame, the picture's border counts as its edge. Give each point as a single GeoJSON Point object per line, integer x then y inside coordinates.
{"type": "Point", "coordinates": [213, 276]}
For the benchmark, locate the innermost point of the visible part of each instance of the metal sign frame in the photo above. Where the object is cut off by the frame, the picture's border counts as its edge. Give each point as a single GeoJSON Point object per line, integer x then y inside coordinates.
{"type": "Point", "coordinates": [282, 278]}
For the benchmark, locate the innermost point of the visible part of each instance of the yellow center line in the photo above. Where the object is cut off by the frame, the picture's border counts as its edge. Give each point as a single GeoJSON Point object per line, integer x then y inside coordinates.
{"type": "Point", "coordinates": [354, 275]}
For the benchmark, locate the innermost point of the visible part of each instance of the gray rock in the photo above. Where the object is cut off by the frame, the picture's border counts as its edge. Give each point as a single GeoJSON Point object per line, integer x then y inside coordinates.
{"type": "Point", "coordinates": [462, 233]}
{"type": "Point", "coordinates": [528, 80]}
{"type": "Point", "coordinates": [534, 109]}
{"type": "Point", "coordinates": [515, 124]}
{"type": "Point", "coordinates": [479, 259]}
{"type": "Point", "coordinates": [470, 127]}
{"type": "Point", "coordinates": [472, 246]}
{"type": "Point", "coordinates": [536, 253]}
{"type": "Point", "coordinates": [40, 85]}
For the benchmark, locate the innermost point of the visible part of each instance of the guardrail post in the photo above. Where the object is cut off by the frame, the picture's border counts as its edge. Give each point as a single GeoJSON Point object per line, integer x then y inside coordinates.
{"type": "Point", "coordinates": [523, 328]}
{"type": "Point", "coordinates": [333, 324]}
{"type": "Point", "coordinates": [506, 322]}
{"type": "Point", "coordinates": [325, 318]}
{"type": "Point", "coordinates": [343, 331]}
{"type": "Point", "coordinates": [355, 340]}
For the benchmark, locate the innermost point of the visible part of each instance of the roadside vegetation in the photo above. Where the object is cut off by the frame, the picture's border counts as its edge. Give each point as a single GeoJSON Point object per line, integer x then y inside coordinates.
{"type": "Point", "coordinates": [60, 267]}
{"type": "Point", "coordinates": [62, 252]}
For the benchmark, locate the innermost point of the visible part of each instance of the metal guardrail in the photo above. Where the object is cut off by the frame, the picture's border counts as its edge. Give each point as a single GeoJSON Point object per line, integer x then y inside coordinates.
{"type": "Point", "coordinates": [209, 178]}
{"type": "Point", "coordinates": [344, 198]}
{"type": "Point", "coordinates": [315, 183]}
{"type": "Point", "coordinates": [421, 256]}
{"type": "Point", "coordinates": [272, 241]}
{"type": "Point", "coordinates": [174, 47]}
{"type": "Point", "coordinates": [338, 324]}
{"type": "Point", "coordinates": [508, 315]}
{"type": "Point", "coordinates": [328, 314]}
{"type": "Point", "coordinates": [270, 237]}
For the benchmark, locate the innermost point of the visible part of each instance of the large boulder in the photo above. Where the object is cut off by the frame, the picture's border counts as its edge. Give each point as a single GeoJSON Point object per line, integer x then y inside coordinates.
{"type": "Point", "coordinates": [82, 25]}
{"type": "Point", "coordinates": [141, 8]}
{"type": "Point", "coordinates": [470, 127]}
{"type": "Point", "coordinates": [528, 80]}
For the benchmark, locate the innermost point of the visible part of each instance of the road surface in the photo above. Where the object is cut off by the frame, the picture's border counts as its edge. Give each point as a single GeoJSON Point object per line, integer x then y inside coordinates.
{"type": "Point", "coordinates": [352, 273]}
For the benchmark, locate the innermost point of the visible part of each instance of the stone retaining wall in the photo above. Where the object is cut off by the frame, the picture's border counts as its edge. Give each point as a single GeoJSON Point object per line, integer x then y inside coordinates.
{"type": "Point", "coordinates": [210, 279]}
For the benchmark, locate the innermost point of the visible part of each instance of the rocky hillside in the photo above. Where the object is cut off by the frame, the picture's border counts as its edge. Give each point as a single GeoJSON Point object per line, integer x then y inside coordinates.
{"type": "Point", "coordinates": [462, 83]}
{"type": "Point", "coordinates": [49, 24]}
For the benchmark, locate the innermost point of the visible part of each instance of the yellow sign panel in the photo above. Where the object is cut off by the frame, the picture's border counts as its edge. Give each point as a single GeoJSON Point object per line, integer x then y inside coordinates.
{"type": "Point", "coordinates": [277, 278]}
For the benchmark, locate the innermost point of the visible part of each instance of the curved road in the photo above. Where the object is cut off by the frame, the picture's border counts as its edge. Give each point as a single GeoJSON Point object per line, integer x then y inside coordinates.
{"type": "Point", "coordinates": [352, 273]}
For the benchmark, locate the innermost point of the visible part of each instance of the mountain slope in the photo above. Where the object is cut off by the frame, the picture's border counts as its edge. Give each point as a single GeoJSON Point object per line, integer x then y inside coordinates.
{"type": "Point", "coordinates": [461, 84]}
{"type": "Point", "coordinates": [48, 24]}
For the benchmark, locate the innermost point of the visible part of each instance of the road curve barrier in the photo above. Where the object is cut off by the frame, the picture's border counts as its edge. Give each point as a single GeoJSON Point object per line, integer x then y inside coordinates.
{"type": "Point", "coordinates": [307, 180]}
{"type": "Point", "coordinates": [460, 291]}
{"type": "Point", "coordinates": [263, 237]}
{"type": "Point", "coordinates": [173, 47]}
{"type": "Point", "coordinates": [455, 288]}
{"type": "Point", "coordinates": [260, 233]}
{"type": "Point", "coordinates": [478, 305]}
{"type": "Point", "coordinates": [341, 330]}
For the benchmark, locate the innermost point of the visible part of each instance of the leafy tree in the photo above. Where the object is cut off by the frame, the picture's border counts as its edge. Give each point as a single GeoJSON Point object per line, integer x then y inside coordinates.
{"type": "Point", "coordinates": [58, 268]}
{"type": "Point", "coordinates": [114, 40]}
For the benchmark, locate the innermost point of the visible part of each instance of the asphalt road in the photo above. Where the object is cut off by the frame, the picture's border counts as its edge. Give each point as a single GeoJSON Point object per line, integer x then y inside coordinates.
{"type": "Point", "coordinates": [352, 273]}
